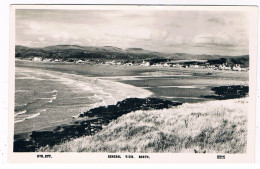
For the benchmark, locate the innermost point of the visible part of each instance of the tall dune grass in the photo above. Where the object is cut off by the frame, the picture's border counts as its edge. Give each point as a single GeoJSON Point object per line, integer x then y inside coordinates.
{"type": "Point", "coordinates": [208, 127]}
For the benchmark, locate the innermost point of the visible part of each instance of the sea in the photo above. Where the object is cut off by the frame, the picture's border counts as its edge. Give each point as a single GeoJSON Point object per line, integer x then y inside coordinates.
{"type": "Point", "coordinates": [43, 100]}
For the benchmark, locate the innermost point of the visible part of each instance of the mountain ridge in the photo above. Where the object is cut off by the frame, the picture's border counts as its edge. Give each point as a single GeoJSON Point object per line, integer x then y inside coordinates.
{"type": "Point", "coordinates": [115, 53]}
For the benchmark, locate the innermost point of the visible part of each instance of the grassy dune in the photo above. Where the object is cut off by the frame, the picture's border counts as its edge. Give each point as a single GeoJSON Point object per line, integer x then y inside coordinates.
{"type": "Point", "coordinates": [208, 127]}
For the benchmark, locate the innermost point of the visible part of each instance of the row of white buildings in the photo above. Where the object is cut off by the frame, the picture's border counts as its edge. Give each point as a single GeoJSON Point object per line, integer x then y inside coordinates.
{"type": "Point", "coordinates": [204, 65]}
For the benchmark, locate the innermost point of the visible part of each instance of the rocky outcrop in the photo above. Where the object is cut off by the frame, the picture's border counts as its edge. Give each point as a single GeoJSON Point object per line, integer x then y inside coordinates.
{"type": "Point", "coordinates": [88, 123]}
{"type": "Point", "coordinates": [229, 92]}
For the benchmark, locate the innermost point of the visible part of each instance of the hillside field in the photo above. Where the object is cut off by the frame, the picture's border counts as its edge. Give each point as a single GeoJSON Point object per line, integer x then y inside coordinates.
{"type": "Point", "coordinates": [206, 127]}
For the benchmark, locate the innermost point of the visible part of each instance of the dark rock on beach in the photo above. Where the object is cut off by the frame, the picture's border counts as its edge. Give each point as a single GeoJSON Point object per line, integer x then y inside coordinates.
{"type": "Point", "coordinates": [88, 123]}
{"type": "Point", "coordinates": [128, 105]}
{"type": "Point", "coordinates": [229, 92]}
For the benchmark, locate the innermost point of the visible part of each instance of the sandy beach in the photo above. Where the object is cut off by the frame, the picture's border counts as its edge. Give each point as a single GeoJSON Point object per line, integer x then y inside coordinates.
{"type": "Point", "coordinates": [60, 93]}
{"type": "Point", "coordinates": [60, 96]}
{"type": "Point", "coordinates": [109, 91]}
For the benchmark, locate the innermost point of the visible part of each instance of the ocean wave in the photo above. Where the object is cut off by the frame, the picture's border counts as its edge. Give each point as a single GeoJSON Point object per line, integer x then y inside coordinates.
{"type": "Point", "coordinates": [54, 122]}
{"type": "Point", "coordinates": [181, 97]}
{"type": "Point", "coordinates": [54, 91]}
{"type": "Point", "coordinates": [30, 116]}
{"type": "Point", "coordinates": [96, 98]}
{"type": "Point", "coordinates": [162, 74]}
{"type": "Point", "coordinates": [49, 98]}
{"type": "Point", "coordinates": [90, 106]}
{"type": "Point", "coordinates": [106, 92]}
{"type": "Point", "coordinates": [33, 116]}
{"type": "Point", "coordinates": [20, 105]}
{"type": "Point", "coordinates": [29, 77]}
{"type": "Point", "coordinates": [81, 97]}
{"type": "Point", "coordinates": [20, 112]}
{"type": "Point", "coordinates": [53, 98]}
{"type": "Point", "coordinates": [71, 82]}
{"type": "Point", "coordinates": [21, 91]}
{"type": "Point", "coordinates": [181, 87]}
{"type": "Point", "coordinates": [17, 121]}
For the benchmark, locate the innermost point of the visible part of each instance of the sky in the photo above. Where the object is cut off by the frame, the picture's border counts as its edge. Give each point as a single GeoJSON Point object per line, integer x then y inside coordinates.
{"type": "Point", "coordinates": [166, 31]}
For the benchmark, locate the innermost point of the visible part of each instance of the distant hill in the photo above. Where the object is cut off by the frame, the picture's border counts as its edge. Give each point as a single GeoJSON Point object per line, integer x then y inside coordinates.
{"type": "Point", "coordinates": [242, 60]}
{"type": "Point", "coordinates": [66, 52]}
{"type": "Point", "coordinates": [85, 52]}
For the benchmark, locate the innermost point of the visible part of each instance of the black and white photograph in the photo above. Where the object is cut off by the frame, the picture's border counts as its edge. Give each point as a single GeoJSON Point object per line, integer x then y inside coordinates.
{"type": "Point", "coordinates": [137, 80]}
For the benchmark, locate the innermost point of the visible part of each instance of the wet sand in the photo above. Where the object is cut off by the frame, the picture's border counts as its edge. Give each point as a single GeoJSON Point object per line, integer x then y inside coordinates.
{"type": "Point", "coordinates": [176, 84]}
{"type": "Point", "coordinates": [68, 102]}
{"type": "Point", "coordinates": [115, 83]}
{"type": "Point", "coordinates": [110, 91]}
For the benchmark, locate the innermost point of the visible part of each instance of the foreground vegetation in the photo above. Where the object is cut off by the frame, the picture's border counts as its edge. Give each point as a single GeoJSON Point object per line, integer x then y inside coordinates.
{"type": "Point", "coordinates": [209, 127]}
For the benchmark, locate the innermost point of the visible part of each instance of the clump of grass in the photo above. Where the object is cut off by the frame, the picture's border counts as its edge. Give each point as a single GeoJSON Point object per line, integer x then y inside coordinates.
{"type": "Point", "coordinates": [208, 127]}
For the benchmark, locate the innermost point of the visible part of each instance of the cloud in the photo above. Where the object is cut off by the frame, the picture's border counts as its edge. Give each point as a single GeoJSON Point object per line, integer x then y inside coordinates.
{"type": "Point", "coordinates": [173, 25]}
{"type": "Point", "coordinates": [165, 31]}
{"type": "Point", "coordinates": [220, 39]}
{"type": "Point", "coordinates": [217, 20]}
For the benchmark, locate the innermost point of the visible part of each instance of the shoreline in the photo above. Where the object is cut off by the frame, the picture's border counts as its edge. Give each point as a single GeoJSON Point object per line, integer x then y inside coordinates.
{"type": "Point", "coordinates": [88, 123]}
{"type": "Point", "coordinates": [99, 117]}
{"type": "Point", "coordinates": [126, 71]}
{"type": "Point", "coordinates": [118, 90]}
{"type": "Point", "coordinates": [109, 91]}
{"type": "Point", "coordinates": [112, 92]}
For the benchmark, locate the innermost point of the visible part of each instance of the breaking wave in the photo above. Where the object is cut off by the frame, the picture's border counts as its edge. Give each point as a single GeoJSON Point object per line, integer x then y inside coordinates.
{"type": "Point", "coordinates": [31, 116]}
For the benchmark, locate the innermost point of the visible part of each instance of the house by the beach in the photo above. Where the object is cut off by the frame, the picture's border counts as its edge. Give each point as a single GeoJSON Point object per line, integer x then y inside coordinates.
{"type": "Point", "coordinates": [37, 59]}
{"type": "Point", "coordinates": [129, 64]}
{"type": "Point", "coordinates": [224, 66]}
{"type": "Point", "coordinates": [57, 60]}
{"type": "Point", "coordinates": [79, 62]}
{"type": "Point", "coordinates": [110, 63]}
{"type": "Point", "coordinates": [227, 68]}
{"type": "Point", "coordinates": [145, 63]}
{"type": "Point", "coordinates": [237, 67]}
{"type": "Point", "coordinates": [47, 60]}
{"type": "Point", "coordinates": [166, 65]}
